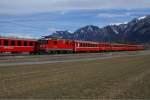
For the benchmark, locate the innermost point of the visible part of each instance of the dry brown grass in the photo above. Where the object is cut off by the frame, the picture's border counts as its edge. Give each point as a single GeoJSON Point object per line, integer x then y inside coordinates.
{"type": "Point", "coordinates": [125, 77]}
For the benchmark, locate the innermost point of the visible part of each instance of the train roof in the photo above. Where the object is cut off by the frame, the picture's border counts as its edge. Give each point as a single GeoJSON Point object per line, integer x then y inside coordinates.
{"type": "Point", "coordinates": [86, 41]}
{"type": "Point", "coordinates": [118, 44]}
{"type": "Point", "coordinates": [13, 38]}
{"type": "Point", "coordinates": [51, 37]}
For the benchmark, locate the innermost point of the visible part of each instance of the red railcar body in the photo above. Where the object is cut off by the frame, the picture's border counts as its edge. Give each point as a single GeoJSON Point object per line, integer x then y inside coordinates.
{"type": "Point", "coordinates": [139, 47]}
{"type": "Point", "coordinates": [104, 47]}
{"type": "Point", "coordinates": [50, 45]}
{"type": "Point", "coordinates": [132, 48]}
{"type": "Point", "coordinates": [119, 47]}
{"type": "Point", "coordinates": [85, 46]}
{"type": "Point", "coordinates": [14, 45]}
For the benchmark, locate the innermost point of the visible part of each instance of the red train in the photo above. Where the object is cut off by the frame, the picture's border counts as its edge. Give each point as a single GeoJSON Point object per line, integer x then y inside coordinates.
{"type": "Point", "coordinates": [54, 45]}
{"type": "Point", "coordinates": [50, 45]}
{"type": "Point", "coordinates": [16, 45]}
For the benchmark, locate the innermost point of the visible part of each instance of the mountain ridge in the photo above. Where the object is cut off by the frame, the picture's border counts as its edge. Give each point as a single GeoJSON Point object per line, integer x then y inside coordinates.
{"type": "Point", "coordinates": [135, 31]}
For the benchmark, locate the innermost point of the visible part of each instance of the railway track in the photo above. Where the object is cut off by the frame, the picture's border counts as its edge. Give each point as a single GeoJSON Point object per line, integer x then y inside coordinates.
{"type": "Point", "coordinates": [45, 59]}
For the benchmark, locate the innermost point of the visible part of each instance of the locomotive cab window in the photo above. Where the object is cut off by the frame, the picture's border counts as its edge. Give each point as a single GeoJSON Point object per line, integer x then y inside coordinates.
{"type": "Point", "coordinates": [55, 42]}
{"type": "Point", "coordinates": [6, 42]}
{"type": "Point", "coordinates": [12, 43]}
{"type": "Point", "coordinates": [43, 41]}
{"type": "Point", "coordinates": [67, 43]}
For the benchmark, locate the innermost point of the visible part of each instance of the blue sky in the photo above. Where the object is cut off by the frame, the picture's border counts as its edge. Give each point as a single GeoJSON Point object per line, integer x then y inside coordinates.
{"type": "Point", "coordinates": [35, 18]}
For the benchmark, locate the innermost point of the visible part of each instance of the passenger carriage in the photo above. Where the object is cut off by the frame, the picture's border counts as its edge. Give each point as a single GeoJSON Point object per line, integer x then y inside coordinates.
{"type": "Point", "coordinates": [85, 46]}
{"type": "Point", "coordinates": [119, 47]}
{"type": "Point", "coordinates": [104, 47]}
{"type": "Point", "coordinates": [18, 45]}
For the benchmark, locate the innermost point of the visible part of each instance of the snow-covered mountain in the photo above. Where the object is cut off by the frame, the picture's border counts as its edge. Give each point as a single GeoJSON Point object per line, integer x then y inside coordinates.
{"type": "Point", "coordinates": [135, 31]}
{"type": "Point", "coordinates": [138, 30]}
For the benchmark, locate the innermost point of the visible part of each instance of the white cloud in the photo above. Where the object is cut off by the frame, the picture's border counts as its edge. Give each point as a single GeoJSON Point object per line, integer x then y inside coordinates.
{"type": "Point", "coordinates": [18, 35]}
{"type": "Point", "coordinates": [33, 6]}
{"type": "Point", "coordinates": [112, 14]}
{"type": "Point", "coordinates": [52, 30]}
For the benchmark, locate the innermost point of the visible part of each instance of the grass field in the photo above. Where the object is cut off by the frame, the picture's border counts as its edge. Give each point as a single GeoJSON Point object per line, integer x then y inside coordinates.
{"type": "Point", "coordinates": [122, 78]}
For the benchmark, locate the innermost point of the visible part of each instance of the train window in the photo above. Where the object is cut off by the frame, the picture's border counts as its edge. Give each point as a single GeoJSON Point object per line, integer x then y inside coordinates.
{"type": "Point", "coordinates": [6, 42]}
{"type": "Point", "coordinates": [55, 42]}
{"type": "Point", "coordinates": [12, 43]}
{"type": "Point", "coordinates": [19, 43]}
{"type": "Point", "coordinates": [80, 44]}
{"type": "Point", "coordinates": [31, 43]}
{"type": "Point", "coordinates": [102, 45]}
{"type": "Point", "coordinates": [86, 45]}
{"type": "Point", "coordinates": [83, 44]}
{"type": "Point", "coordinates": [0, 42]}
{"type": "Point", "coordinates": [25, 43]}
{"type": "Point", "coordinates": [89, 45]}
{"type": "Point", "coordinates": [43, 41]}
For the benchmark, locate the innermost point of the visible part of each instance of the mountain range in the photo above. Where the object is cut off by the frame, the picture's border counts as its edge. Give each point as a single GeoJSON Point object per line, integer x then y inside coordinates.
{"type": "Point", "coordinates": [135, 31]}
